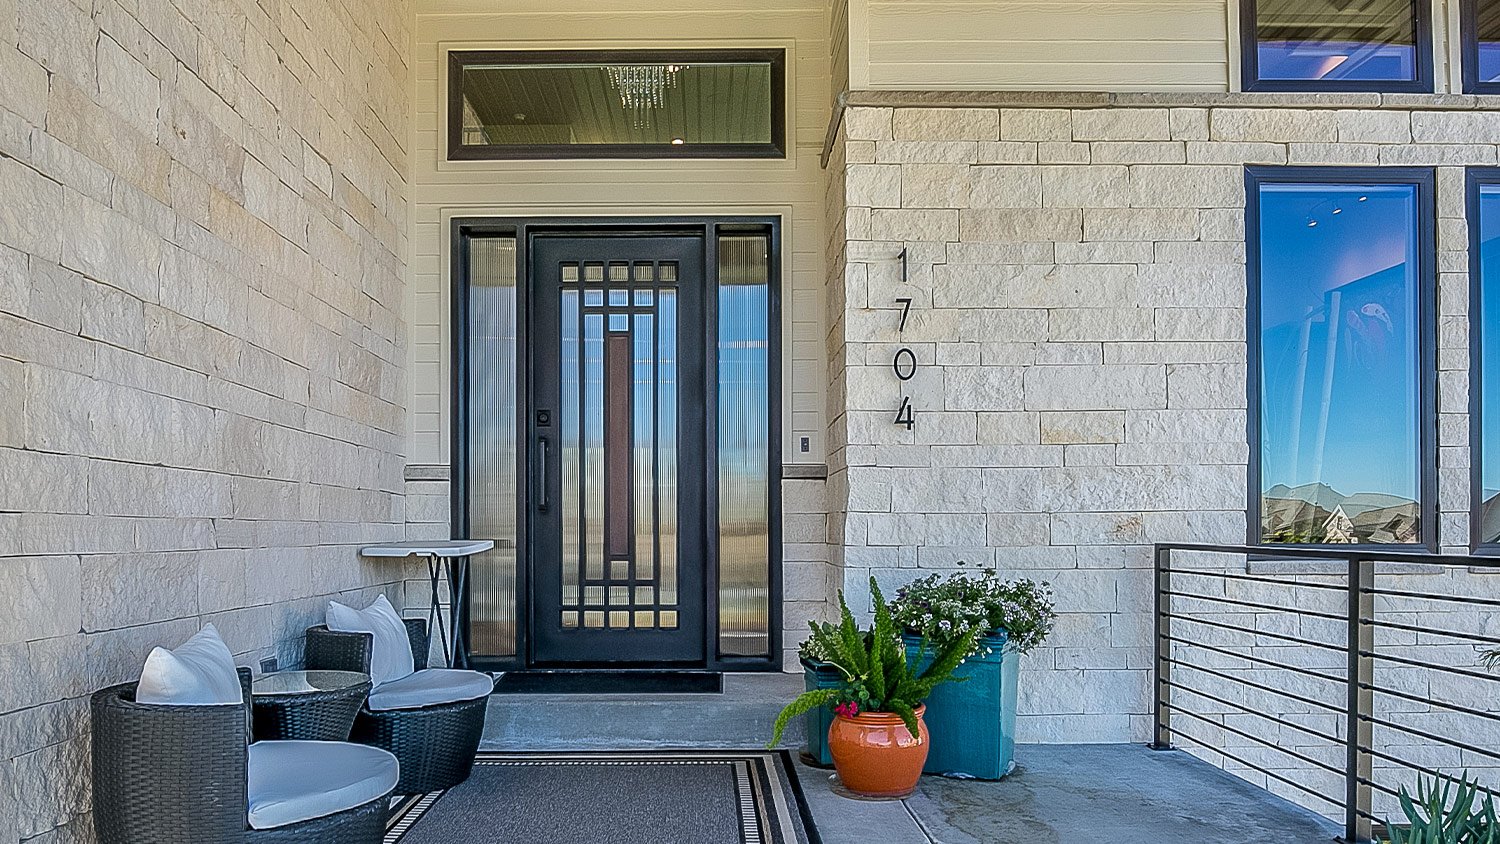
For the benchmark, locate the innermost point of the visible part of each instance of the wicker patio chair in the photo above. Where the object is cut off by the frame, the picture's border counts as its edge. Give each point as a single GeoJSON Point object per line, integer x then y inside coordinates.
{"type": "Point", "coordinates": [436, 743]}
{"type": "Point", "coordinates": [179, 775]}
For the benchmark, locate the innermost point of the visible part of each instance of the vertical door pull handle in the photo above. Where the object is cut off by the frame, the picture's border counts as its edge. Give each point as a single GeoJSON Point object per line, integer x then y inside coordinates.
{"type": "Point", "coordinates": [542, 482]}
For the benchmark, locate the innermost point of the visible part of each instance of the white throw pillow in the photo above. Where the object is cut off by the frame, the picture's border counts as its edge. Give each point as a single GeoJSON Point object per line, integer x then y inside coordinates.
{"type": "Point", "coordinates": [390, 658]}
{"type": "Point", "coordinates": [199, 672]}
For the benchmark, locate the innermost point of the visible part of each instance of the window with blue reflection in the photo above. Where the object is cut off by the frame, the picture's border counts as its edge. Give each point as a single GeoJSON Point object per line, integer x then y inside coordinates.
{"type": "Point", "coordinates": [1341, 43]}
{"type": "Point", "coordinates": [1482, 27]}
{"type": "Point", "coordinates": [1487, 276]}
{"type": "Point", "coordinates": [1339, 294]}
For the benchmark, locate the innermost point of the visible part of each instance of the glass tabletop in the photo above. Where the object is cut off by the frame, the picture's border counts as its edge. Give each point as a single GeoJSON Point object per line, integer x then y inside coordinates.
{"type": "Point", "coordinates": [306, 682]}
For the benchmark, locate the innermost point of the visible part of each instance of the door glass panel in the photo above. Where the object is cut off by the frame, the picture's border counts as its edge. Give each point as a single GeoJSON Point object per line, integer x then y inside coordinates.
{"type": "Point", "coordinates": [619, 433]}
{"type": "Point", "coordinates": [593, 447]}
{"type": "Point", "coordinates": [572, 536]}
{"type": "Point", "coordinates": [492, 400]}
{"type": "Point", "coordinates": [744, 445]}
{"type": "Point", "coordinates": [666, 453]}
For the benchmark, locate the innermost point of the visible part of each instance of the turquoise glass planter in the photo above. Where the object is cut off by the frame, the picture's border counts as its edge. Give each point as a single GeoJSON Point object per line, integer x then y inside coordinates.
{"type": "Point", "coordinates": [973, 723]}
{"type": "Point", "coordinates": [819, 675]}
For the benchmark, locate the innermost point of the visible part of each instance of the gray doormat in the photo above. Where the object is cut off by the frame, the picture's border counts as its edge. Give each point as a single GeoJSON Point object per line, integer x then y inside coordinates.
{"type": "Point", "coordinates": [626, 797]}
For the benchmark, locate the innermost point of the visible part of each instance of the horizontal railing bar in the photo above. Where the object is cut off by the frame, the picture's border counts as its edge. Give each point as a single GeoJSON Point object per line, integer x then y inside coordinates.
{"type": "Point", "coordinates": [1433, 596]}
{"type": "Point", "coordinates": [1271, 744]}
{"type": "Point", "coordinates": [1266, 607]}
{"type": "Point", "coordinates": [1261, 687]}
{"type": "Point", "coordinates": [1406, 763]}
{"type": "Point", "coordinates": [1431, 701]}
{"type": "Point", "coordinates": [1461, 745]}
{"type": "Point", "coordinates": [1275, 776]}
{"type": "Point", "coordinates": [1248, 711]}
{"type": "Point", "coordinates": [1378, 787]}
{"type": "Point", "coordinates": [1262, 661]}
{"type": "Point", "coordinates": [1451, 634]}
{"type": "Point", "coordinates": [1253, 579]}
{"type": "Point", "coordinates": [1447, 669]}
{"type": "Point", "coordinates": [1376, 555]}
{"type": "Point", "coordinates": [1279, 636]}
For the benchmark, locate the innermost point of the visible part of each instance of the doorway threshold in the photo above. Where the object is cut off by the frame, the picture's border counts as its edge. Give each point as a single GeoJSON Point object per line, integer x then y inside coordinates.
{"type": "Point", "coordinates": [609, 682]}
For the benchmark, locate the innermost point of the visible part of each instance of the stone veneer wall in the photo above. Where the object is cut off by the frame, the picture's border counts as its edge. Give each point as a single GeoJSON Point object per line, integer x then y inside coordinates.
{"type": "Point", "coordinates": [1079, 321]}
{"type": "Point", "coordinates": [203, 223]}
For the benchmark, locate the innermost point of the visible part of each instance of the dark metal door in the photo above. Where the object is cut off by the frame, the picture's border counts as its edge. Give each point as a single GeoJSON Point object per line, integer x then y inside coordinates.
{"type": "Point", "coordinates": [617, 432]}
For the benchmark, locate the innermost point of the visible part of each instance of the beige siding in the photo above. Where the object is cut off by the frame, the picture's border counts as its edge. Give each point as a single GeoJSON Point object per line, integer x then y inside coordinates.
{"type": "Point", "coordinates": [1039, 45]}
{"type": "Point", "coordinates": [790, 188]}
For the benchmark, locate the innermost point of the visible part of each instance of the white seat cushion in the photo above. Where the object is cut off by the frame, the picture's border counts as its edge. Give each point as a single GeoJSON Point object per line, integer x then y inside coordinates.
{"type": "Point", "coordinates": [431, 686]}
{"type": "Point", "coordinates": [292, 781]}
{"type": "Point", "coordinates": [199, 672]}
{"type": "Point", "coordinates": [390, 655]}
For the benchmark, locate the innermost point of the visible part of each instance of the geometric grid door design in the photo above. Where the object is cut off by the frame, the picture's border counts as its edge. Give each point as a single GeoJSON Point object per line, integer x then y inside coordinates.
{"type": "Point", "coordinates": [618, 549]}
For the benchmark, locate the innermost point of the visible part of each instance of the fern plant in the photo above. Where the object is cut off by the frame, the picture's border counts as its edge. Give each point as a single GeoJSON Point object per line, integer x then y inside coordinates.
{"type": "Point", "coordinates": [1444, 813]}
{"type": "Point", "coordinates": [876, 674]}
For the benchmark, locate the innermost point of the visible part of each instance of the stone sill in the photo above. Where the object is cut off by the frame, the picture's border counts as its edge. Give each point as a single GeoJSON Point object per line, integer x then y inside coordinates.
{"type": "Point", "coordinates": [1148, 99]}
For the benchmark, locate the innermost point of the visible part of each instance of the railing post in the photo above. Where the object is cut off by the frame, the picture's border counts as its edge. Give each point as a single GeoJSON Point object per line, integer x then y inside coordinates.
{"type": "Point", "coordinates": [1163, 737]}
{"type": "Point", "coordinates": [1358, 730]}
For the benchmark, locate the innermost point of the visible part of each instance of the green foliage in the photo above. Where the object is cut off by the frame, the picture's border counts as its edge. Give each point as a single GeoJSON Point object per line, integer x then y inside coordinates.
{"type": "Point", "coordinates": [946, 608]}
{"type": "Point", "coordinates": [1490, 659]}
{"type": "Point", "coordinates": [1444, 813]}
{"type": "Point", "coordinates": [876, 674]}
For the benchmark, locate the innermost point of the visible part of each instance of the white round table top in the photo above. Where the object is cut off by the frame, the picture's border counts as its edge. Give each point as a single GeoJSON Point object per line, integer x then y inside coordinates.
{"type": "Point", "coordinates": [429, 548]}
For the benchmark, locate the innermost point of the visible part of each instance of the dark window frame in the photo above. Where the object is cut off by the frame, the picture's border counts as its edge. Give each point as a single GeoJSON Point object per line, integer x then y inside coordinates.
{"type": "Point", "coordinates": [458, 60]}
{"type": "Point", "coordinates": [1250, 62]}
{"type": "Point", "coordinates": [1425, 181]}
{"type": "Point", "coordinates": [523, 229]}
{"type": "Point", "coordinates": [1475, 179]}
{"type": "Point", "coordinates": [1468, 34]}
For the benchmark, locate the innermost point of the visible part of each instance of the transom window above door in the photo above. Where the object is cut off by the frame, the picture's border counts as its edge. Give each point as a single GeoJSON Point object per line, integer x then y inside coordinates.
{"type": "Point", "coordinates": [1336, 45]}
{"type": "Point", "coordinates": [616, 104]}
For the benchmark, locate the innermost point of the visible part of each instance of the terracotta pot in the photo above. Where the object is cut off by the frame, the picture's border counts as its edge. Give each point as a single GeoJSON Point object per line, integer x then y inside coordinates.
{"type": "Point", "coordinates": [875, 755]}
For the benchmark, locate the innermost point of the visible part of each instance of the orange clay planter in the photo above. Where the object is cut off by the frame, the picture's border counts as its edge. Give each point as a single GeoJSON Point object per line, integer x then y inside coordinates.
{"type": "Point", "coordinates": [875, 755]}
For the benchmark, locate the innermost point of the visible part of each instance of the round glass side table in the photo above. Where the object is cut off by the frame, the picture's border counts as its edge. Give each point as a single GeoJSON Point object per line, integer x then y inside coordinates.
{"type": "Point", "coordinates": [308, 705]}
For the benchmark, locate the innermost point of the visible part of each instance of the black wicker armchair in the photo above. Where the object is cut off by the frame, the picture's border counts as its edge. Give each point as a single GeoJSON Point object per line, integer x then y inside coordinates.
{"type": "Point", "coordinates": [436, 743]}
{"type": "Point", "coordinates": [180, 774]}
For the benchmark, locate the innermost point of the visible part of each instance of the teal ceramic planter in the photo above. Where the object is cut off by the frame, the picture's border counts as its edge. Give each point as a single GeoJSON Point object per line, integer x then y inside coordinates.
{"type": "Point", "coordinates": [973, 723]}
{"type": "Point", "coordinates": [819, 675]}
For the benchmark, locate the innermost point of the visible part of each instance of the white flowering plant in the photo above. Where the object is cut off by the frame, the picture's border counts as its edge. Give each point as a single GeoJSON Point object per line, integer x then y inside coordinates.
{"type": "Point", "coordinates": [943, 609]}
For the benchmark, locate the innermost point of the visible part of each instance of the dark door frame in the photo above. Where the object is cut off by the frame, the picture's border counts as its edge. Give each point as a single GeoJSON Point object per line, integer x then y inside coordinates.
{"type": "Point", "coordinates": [522, 229]}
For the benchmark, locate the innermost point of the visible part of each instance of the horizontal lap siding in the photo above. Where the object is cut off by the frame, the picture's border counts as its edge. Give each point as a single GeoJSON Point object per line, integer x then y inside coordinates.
{"type": "Point", "coordinates": [1115, 45]}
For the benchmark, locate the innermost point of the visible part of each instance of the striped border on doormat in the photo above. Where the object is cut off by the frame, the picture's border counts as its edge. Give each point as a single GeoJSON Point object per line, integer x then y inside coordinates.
{"type": "Point", "coordinates": [772, 809]}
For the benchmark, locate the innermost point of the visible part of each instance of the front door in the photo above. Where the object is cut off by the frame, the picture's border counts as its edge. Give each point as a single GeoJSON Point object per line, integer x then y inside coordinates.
{"type": "Point", "coordinates": [617, 428]}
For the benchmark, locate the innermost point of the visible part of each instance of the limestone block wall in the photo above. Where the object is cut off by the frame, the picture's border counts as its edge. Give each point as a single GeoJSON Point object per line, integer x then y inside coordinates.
{"type": "Point", "coordinates": [1076, 266]}
{"type": "Point", "coordinates": [203, 222]}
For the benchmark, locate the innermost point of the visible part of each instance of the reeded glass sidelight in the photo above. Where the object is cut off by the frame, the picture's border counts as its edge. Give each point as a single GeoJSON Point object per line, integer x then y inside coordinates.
{"type": "Point", "coordinates": [492, 466]}
{"type": "Point", "coordinates": [744, 444]}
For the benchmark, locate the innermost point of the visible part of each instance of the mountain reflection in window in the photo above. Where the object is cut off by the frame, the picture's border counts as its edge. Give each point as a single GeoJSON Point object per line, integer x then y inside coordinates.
{"type": "Point", "coordinates": [1488, 269]}
{"type": "Point", "coordinates": [1340, 399]}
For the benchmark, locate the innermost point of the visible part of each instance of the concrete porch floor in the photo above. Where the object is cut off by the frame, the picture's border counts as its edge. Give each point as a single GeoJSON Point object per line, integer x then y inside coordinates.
{"type": "Point", "coordinates": [1061, 794]}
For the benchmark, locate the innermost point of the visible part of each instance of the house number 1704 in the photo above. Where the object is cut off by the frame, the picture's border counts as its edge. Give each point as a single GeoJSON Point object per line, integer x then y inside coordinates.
{"type": "Point", "coordinates": [905, 366]}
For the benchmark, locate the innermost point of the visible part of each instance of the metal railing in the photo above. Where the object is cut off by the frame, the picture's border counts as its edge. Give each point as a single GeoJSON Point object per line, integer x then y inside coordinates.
{"type": "Point", "coordinates": [1251, 662]}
